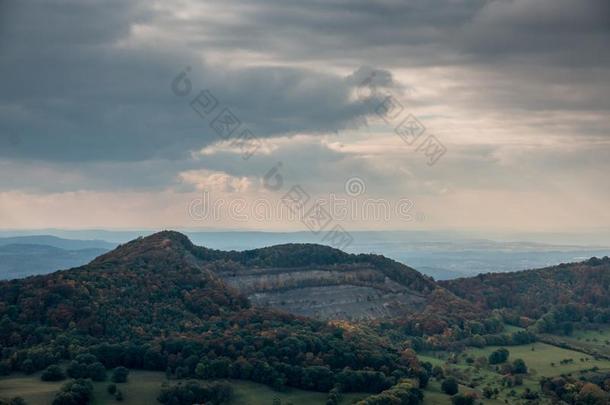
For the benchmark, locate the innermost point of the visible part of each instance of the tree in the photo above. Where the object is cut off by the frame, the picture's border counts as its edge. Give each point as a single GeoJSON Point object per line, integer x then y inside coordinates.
{"type": "Point", "coordinates": [489, 392]}
{"type": "Point", "coordinates": [119, 375]}
{"type": "Point", "coordinates": [53, 373]}
{"type": "Point", "coordinates": [96, 371]}
{"type": "Point", "coordinates": [592, 394]}
{"type": "Point", "coordinates": [28, 366]}
{"type": "Point", "coordinates": [77, 370]}
{"type": "Point", "coordinates": [423, 378]}
{"type": "Point", "coordinates": [498, 356]}
{"type": "Point", "coordinates": [193, 392]}
{"type": "Point", "coordinates": [519, 367]}
{"type": "Point", "coordinates": [334, 396]}
{"type": "Point", "coordinates": [78, 392]}
{"type": "Point", "coordinates": [463, 399]}
{"type": "Point", "coordinates": [450, 386]}
{"type": "Point", "coordinates": [111, 389]}
{"type": "Point", "coordinates": [118, 395]}
{"type": "Point", "coordinates": [438, 372]}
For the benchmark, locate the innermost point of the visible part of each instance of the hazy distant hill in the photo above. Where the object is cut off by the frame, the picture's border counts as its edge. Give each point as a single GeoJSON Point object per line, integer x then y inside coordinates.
{"type": "Point", "coordinates": [442, 255]}
{"type": "Point", "coordinates": [61, 243]}
{"type": "Point", "coordinates": [22, 256]}
{"type": "Point", "coordinates": [22, 260]}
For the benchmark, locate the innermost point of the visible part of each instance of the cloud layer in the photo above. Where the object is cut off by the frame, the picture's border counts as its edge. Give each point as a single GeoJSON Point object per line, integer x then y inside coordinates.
{"type": "Point", "coordinates": [517, 91]}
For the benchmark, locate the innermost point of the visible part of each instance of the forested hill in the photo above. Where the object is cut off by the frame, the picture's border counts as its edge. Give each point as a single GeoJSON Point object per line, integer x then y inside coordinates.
{"type": "Point", "coordinates": [163, 284]}
{"type": "Point", "coordinates": [533, 293]}
{"type": "Point", "coordinates": [292, 255]}
{"type": "Point", "coordinates": [158, 303]}
{"type": "Point", "coordinates": [304, 279]}
{"type": "Point", "coordinates": [145, 288]}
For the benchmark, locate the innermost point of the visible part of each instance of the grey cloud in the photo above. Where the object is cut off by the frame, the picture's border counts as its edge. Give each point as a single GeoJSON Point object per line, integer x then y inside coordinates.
{"type": "Point", "coordinates": [70, 92]}
{"type": "Point", "coordinates": [564, 32]}
{"type": "Point", "coordinates": [539, 43]}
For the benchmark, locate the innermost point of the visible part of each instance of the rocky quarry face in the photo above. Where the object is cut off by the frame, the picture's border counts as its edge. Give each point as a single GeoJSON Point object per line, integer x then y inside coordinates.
{"type": "Point", "coordinates": [303, 279]}
{"type": "Point", "coordinates": [343, 292]}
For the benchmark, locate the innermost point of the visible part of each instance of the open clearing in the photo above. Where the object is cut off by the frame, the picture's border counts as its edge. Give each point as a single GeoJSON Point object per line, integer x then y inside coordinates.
{"type": "Point", "coordinates": [143, 388]}
{"type": "Point", "coordinates": [541, 359]}
{"type": "Point", "coordinates": [593, 341]}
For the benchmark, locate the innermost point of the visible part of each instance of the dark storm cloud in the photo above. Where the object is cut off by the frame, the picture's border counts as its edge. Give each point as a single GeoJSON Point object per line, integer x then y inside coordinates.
{"type": "Point", "coordinates": [70, 91]}
{"type": "Point", "coordinates": [74, 87]}
{"type": "Point", "coordinates": [565, 33]}
{"type": "Point", "coordinates": [546, 43]}
{"type": "Point", "coordinates": [464, 30]}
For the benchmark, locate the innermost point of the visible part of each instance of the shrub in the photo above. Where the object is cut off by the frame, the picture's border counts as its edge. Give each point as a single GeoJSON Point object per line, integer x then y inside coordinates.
{"type": "Point", "coordinates": [78, 392]}
{"type": "Point", "coordinates": [401, 393]}
{"type": "Point", "coordinates": [463, 399]}
{"type": "Point", "coordinates": [194, 392]}
{"type": "Point", "coordinates": [498, 356]}
{"type": "Point", "coordinates": [96, 371]}
{"type": "Point", "coordinates": [28, 366]}
{"type": "Point", "coordinates": [519, 367]}
{"type": "Point", "coordinates": [119, 375]}
{"type": "Point", "coordinates": [53, 373]}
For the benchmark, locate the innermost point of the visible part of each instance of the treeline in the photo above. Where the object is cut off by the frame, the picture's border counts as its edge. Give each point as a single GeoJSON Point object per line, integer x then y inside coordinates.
{"type": "Point", "coordinates": [193, 392]}
{"type": "Point", "coordinates": [293, 353]}
{"type": "Point", "coordinates": [488, 331]}
{"type": "Point", "coordinates": [403, 393]}
{"type": "Point", "coordinates": [561, 319]}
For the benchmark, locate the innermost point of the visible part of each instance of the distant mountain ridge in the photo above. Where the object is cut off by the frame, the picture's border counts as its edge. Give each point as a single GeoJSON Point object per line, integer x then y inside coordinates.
{"type": "Point", "coordinates": [54, 241]}
{"type": "Point", "coordinates": [442, 255]}
{"type": "Point", "coordinates": [23, 260]}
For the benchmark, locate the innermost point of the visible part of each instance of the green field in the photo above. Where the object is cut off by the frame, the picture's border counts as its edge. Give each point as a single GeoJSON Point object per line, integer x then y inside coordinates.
{"type": "Point", "coordinates": [433, 395]}
{"type": "Point", "coordinates": [543, 360]}
{"type": "Point", "coordinates": [143, 388]}
{"type": "Point", "coordinates": [602, 332]}
{"type": "Point", "coordinates": [590, 341]}
{"type": "Point", "coordinates": [511, 328]}
{"type": "Point", "coordinates": [478, 378]}
{"type": "Point", "coordinates": [540, 360]}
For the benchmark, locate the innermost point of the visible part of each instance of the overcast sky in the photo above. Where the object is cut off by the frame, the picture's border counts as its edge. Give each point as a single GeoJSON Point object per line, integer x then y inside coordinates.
{"type": "Point", "coordinates": [515, 92]}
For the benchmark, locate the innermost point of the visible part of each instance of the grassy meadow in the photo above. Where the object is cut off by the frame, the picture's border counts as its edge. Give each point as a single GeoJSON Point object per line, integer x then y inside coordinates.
{"type": "Point", "coordinates": [144, 386]}
{"type": "Point", "coordinates": [541, 359]}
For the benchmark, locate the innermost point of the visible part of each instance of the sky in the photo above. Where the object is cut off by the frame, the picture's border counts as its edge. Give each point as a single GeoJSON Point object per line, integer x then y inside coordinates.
{"type": "Point", "coordinates": [418, 114]}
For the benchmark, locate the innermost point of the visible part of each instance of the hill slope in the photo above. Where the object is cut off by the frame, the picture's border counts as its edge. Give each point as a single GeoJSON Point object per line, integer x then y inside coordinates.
{"type": "Point", "coordinates": [325, 283]}
{"type": "Point", "coordinates": [534, 292]}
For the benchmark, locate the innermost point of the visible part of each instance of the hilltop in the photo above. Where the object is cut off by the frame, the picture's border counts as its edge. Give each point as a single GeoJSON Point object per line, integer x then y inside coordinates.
{"type": "Point", "coordinates": [162, 303]}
